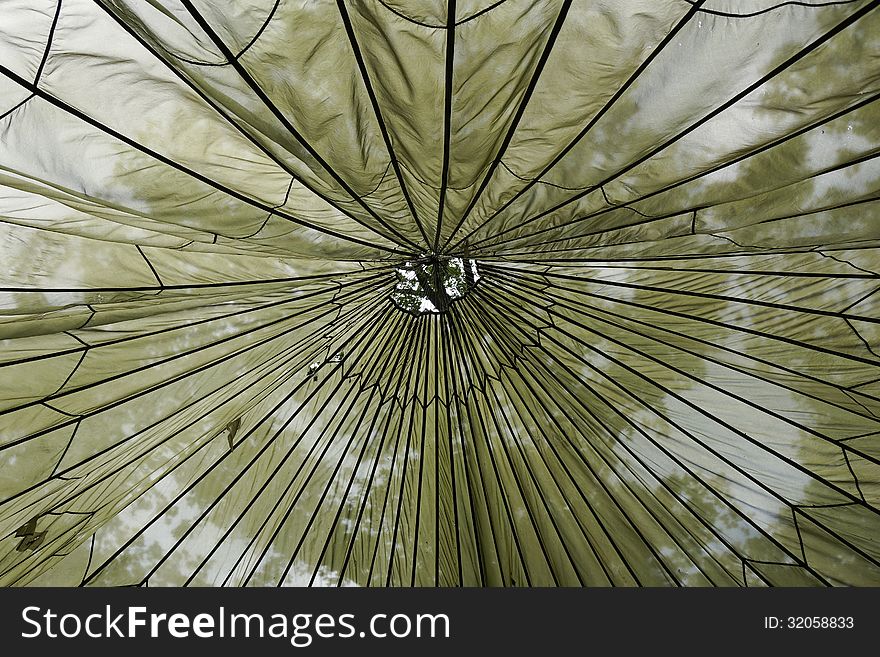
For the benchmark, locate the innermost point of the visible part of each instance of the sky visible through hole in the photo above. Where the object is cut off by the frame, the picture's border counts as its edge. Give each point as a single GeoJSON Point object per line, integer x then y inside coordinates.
{"type": "Point", "coordinates": [429, 286]}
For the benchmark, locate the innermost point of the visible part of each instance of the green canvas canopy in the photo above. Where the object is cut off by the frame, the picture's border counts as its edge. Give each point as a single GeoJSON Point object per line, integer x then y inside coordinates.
{"type": "Point", "coordinates": [423, 293]}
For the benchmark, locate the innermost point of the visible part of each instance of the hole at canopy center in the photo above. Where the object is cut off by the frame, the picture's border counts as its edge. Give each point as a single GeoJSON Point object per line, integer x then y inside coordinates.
{"type": "Point", "coordinates": [431, 284]}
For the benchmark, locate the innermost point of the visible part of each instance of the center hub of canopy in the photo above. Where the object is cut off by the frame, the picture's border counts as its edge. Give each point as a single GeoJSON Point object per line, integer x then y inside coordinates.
{"type": "Point", "coordinates": [432, 283]}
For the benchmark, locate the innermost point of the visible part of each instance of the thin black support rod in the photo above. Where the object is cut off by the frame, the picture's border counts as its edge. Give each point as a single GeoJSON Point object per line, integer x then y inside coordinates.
{"type": "Point", "coordinates": [456, 438]}
{"type": "Point", "coordinates": [447, 117]}
{"type": "Point", "coordinates": [473, 470]}
{"type": "Point", "coordinates": [850, 497]}
{"type": "Point", "coordinates": [239, 196]}
{"type": "Point", "coordinates": [225, 115]}
{"type": "Point", "coordinates": [421, 338]}
{"type": "Point", "coordinates": [273, 108]}
{"type": "Point", "coordinates": [269, 443]}
{"type": "Point", "coordinates": [550, 292]}
{"type": "Point", "coordinates": [816, 43]}
{"type": "Point", "coordinates": [332, 478]}
{"type": "Point", "coordinates": [179, 355]}
{"type": "Point", "coordinates": [507, 434]}
{"type": "Point", "coordinates": [605, 108]}
{"type": "Point", "coordinates": [424, 368]}
{"type": "Point", "coordinates": [503, 324]}
{"type": "Point", "coordinates": [514, 123]}
{"type": "Point", "coordinates": [374, 102]}
{"type": "Point", "coordinates": [684, 374]}
{"type": "Point", "coordinates": [399, 395]}
{"type": "Point", "coordinates": [549, 403]}
{"type": "Point", "coordinates": [482, 438]}
{"type": "Point", "coordinates": [629, 393]}
{"type": "Point", "coordinates": [403, 338]}
{"type": "Point", "coordinates": [724, 298]}
{"type": "Point", "coordinates": [168, 329]}
{"type": "Point", "coordinates": [201, 477]}
{"type": "Point", "coordinates": [232, 526]}
{"type": "Point", "coordinates": [613, 264]}
{"type": "Point", "coordinates": [825, 120]}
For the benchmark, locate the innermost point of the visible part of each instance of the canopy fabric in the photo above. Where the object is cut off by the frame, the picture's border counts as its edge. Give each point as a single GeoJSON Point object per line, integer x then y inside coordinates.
{"type": "Point", "coordinates": [664, 371]}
